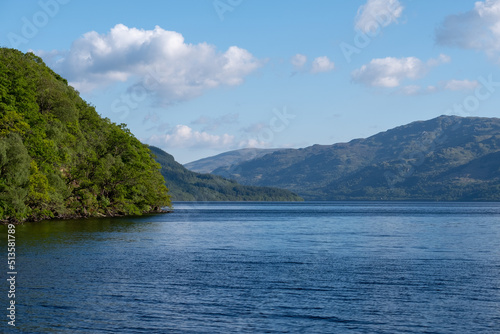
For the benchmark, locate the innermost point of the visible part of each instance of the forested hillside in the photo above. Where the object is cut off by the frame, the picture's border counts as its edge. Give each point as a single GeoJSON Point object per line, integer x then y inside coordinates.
{"type": "Point", "coordinates": [59, 158]}
{"type": "Point", "coordinates": [185, 185]}
{"type": "Point", "coordinates": [207, 165]}
{"type": "Point", "coordinates": [448, 158]}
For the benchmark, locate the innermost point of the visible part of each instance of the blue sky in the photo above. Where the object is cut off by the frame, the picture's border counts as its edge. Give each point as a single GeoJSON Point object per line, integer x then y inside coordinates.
{"type": "Point", "coordinates": [198, 78]}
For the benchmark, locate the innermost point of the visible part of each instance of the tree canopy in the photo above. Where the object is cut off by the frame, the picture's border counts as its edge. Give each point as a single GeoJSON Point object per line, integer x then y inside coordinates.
{"type": "Point", "coordinates": [60, 158]}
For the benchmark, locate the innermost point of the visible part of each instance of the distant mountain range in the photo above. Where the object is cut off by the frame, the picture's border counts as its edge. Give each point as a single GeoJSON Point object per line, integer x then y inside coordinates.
{"type": "Point", "coordinates": [185, 185]}
{"type": "Point", "coordinates": [208, 165]}
{"type": "Point", "coordinates": [446, 158]}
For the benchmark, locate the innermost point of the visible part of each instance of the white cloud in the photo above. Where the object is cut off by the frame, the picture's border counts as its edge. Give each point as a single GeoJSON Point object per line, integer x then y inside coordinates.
{"type": "Point", "coordinates": [318, 65]}
{"type": "Point", "coordinates": [322, 64]}
{"type": "Point", "coordinates": [158, 60]}
{"type": "Point", "coordinates": [182, 136]}
{"type": "Point", "coordinates": [464, 85]}
{"type": "Point", "coordinates": [477, 29]}
{"type": "Point", "coordinates": [450, 85]}
{"type": "Point", "coordinates": [298, 61]}
{"type": "Point", "coordinates": [442, 59]}
{"type": "Point", "coordinates": [253, 143]}
{"type": "Point", "coordinates": [377, 13]}
{"type": "Point", "coordinates": [390, 72]}
{"type": "Point", "coordinates": [413, 90]}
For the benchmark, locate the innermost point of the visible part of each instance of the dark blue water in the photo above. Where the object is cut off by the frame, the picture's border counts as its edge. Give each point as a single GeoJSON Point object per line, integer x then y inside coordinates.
{"type": "Point", "coordinates": [264, 268]}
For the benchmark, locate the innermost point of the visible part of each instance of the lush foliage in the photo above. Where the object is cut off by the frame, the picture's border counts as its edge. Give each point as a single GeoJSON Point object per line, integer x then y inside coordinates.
{"type": "Point", "coordinates": [59, 158]}
{"type": "Point", "coordinates": [185, 185]}
{"type": "Point", "coordinates": [448, 158]}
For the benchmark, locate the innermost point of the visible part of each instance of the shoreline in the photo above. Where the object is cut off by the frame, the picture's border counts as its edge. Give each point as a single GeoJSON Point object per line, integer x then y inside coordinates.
{"type": "Point", "coordinates": [72, 216]}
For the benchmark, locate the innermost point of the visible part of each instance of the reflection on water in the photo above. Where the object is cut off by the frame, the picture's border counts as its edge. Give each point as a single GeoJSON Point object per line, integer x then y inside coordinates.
{"type": "Point", "coordinates": [265, 267]}
{"type": "Point", "coordinates": [56, 232]}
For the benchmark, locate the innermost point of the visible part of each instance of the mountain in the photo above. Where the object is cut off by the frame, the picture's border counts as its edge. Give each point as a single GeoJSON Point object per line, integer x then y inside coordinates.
{"type": "Point", "coordinates": [446, 158]}
{"type": "Point", "coordinates": [207, 165]}
{"type": "Point", "coordinates": [185, 185]}
{"type": "Point", "coordinates": [59, 158]}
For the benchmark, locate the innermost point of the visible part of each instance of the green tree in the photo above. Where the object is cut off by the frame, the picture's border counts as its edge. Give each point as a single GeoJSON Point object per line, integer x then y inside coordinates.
{"type": "Point", "coordinates": [14, 176]}
{"type": "Point", "coordinates": [59, 158]}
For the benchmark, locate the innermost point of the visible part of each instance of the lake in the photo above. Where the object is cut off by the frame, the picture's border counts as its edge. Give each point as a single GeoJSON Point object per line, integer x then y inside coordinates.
{"type": "Point", "coordinates": [311, 267]}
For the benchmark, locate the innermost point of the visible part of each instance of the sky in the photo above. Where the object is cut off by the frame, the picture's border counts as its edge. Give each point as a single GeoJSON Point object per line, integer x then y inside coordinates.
{"type": "Point", "coordinates": [201, 77]}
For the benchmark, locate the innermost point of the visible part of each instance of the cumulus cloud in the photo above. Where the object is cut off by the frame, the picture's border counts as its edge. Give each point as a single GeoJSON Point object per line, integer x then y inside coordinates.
{"type": "Point", "coordinates": [254, 143]}
{"type": "Point", "coordinates": [477, 29]}
{"type": "Point", "coordinates": [376, 13]}
{"type": "Point", "coordinates": [390, 72]}
{"type": "Point", "coordinates": [158, 60]}
{"type": "Point", "coordinates": [182, 136]}
{"type": "Point", "coordinates": [298, 61]}
{"type": "Point", "coordinates": [318, 65]}
{"type": "Point", "coordinates": [322, 64]}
